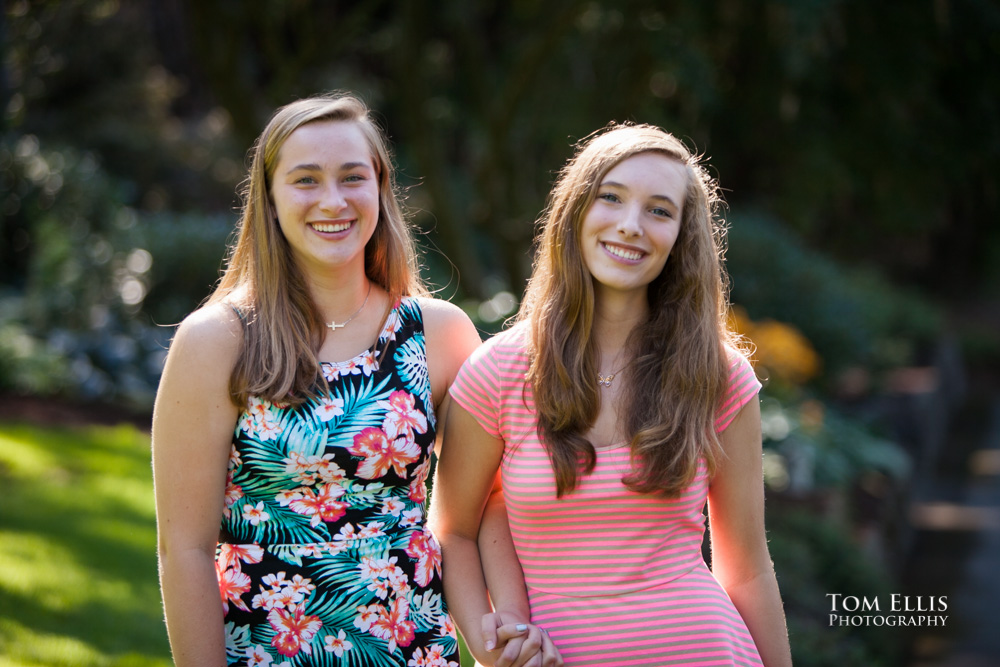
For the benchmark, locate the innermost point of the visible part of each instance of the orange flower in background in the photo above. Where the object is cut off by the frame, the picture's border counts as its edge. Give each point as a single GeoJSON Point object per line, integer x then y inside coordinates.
{"type": "Point", "coordinates": [787, 355]}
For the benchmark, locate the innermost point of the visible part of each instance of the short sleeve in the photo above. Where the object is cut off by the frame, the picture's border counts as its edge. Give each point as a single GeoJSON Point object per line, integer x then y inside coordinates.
{"type": "Point", "coordinates": [477, 389]}
{"type": "Point", "coordinates": [743, 388]}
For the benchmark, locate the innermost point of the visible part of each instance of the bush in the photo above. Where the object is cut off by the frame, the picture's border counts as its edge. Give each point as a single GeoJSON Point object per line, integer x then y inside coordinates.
{"type": "Point", "coordinates": [851, 316]}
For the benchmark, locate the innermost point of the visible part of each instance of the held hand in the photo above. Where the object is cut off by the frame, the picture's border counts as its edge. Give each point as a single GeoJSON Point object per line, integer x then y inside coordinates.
{"type": "Point", "coordinates": [518, 644]}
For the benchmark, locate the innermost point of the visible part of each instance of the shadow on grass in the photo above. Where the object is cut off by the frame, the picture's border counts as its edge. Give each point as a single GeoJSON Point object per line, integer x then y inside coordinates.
{"type": "Point", "coordinates": [78, 547]}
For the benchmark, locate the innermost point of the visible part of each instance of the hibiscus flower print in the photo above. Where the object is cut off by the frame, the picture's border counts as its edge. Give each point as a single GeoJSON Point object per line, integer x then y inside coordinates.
{"type": "Point", "coordinates": [232, 584]}
{"type": "Point", "coordinates": [329, 408]}
{"type": "Point", "coordinates": [338, 645]}
{"type": "Point", "coordinates": [434, 657]}
{"type": "Point", "coordinates": [294, 630]}
{"type": "Point", "coordinates": [273, 598]}
{"type": "Point", "coordinates": [418, 487]}
{"type": "Point", "coordinates": [256, 514]}
{"type": "Point", "coordinates": [308, 469]}
{"type": "Point", "coordinates": [235, 461]}
{"type": "Point", "coordinates": [393, 506]}
{"type": "Point", "coordinates": [371, 531]}
{"type": "Point", "coordinates": [330, 372]}
{"type": "Point", "coordinates": [257, 656]}
{"type": "Point", "coordinates": [402, 419]}
{"type": "Point", "coordinates": [411, 517]}
{"type": "Point", "coordinates": [230, 555]}
{"type": "Point", "coordinates": [447, 627]}
{"type": "Point", "coordinates": [261, 420]}
{"type": "Point", "coordinates": [381, 453]}
{"type": "Point", "coordinates": [392, 326]}
{"type": "Point", "coordinates": [233, 493]}
{"type": "Point", "coordinates": [383, 574]}
{"type": "Point", "coordinates": [283, 593]}
{"type": "Point", "coordinates": [369, 363]}
{"type": "Point", "coordinates": [301, 586]}
{"type": "Point", "coordinates": [346, 537]}
{"type": "Point", "coordinates": [424, 548]}
{"type": "Point", "coordinates": [393, 626]}
{"type": "Point", "coordinates": [321, 505]}
{"type": "Point", "coordinates": [367, 615]}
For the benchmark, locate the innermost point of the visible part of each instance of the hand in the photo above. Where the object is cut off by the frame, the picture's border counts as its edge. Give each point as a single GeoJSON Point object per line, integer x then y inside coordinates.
{"type": "Point", "coordinates": [519, 644]}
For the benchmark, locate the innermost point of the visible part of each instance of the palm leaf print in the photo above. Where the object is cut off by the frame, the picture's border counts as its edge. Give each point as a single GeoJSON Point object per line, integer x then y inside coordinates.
{"type": "Point", "coordinates": [411, 364]}
{"type": "Point", "coordinates": [361, 410]}
{"type": "Point", "coordinates": [237, 642]}
{"type": "Point", "coordinates": [425, 611]}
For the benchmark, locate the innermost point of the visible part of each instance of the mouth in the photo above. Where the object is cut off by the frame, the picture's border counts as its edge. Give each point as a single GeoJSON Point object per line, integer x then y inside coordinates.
{"type": "Point", "coordinates": [621, 252]}
{"type": "Point", "coordinates": [331, 227]}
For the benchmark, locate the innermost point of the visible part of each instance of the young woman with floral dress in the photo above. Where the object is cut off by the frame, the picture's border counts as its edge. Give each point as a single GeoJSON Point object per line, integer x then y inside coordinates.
{"type": "Point", "coordinates": [296, 418]}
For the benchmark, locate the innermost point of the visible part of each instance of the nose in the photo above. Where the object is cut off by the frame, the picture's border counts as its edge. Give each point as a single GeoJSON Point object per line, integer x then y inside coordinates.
{"type": "Point", "coordinates": [332, 200]}
{"type": "Point", "coordinates": [629, 225]}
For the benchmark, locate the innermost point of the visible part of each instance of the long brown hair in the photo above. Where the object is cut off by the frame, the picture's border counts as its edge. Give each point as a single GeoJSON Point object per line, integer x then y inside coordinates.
{"type": "Point", "coordinates": [678, 366]}
{"type": "Point", "coordinates": [282, 326]}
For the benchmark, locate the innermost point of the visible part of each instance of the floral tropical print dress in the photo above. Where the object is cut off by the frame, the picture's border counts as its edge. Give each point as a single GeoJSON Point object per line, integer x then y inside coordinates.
{"type": "Point", "coordinates": [324, 557]}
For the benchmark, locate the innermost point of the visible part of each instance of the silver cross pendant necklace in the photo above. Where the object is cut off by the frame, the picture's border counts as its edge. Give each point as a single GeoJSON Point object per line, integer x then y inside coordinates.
{"type": "Point", "coordinates": [333, 326]}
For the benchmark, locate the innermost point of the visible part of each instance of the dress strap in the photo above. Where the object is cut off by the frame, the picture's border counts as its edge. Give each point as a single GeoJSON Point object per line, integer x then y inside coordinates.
{"type": "Point", "coordinates": [239, 314]}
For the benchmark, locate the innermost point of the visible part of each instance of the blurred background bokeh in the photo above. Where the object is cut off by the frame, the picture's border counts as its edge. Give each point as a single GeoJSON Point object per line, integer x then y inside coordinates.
{"type": "Point", "coordinates": [858, 145]}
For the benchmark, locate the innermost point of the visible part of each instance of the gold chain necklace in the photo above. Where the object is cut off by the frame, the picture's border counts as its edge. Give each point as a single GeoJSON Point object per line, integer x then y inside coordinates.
{"type": "Point", "coordinates": [334, 326]}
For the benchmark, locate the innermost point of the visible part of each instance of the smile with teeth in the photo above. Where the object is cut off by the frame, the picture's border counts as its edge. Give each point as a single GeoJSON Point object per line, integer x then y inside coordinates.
{"type": "Point", "coordinates": [623, 253]}
{"type": "Point", "coordinates": [330, 227]}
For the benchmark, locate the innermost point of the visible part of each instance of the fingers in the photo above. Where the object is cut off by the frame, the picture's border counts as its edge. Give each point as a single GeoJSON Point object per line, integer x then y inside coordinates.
{"type": "Point", "coordinates": [523, 650]}
{"type": "Point", "coordinates": [507, 632]}
{"type": "Point", "coordinates": [550, 654]}
{"type": "Point", "coordinates": [498, 634]}
{"type": "Point", "coordinates": [489, 627]}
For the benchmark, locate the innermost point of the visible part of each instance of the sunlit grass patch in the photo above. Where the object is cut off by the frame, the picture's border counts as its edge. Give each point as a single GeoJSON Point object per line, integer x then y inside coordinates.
{"type": "Point", "coordinates": [78, 549]}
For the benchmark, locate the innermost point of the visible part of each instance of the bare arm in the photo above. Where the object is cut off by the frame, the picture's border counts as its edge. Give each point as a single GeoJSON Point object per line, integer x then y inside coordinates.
{"type": "Point", "coordinates": [451, 337]}
{"type": "Point", "coordinates": [740, 559]}
{"type": "Point", "coordinates": [465, 475]}
{"type": "Point", "coordinates": [193, 423]}
{"type": "Point", "coordinates": [504, 577]}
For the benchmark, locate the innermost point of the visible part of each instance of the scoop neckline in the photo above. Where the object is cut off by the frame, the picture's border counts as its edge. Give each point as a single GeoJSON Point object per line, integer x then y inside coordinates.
{"type": "Point", "coordinates": [383, 333]}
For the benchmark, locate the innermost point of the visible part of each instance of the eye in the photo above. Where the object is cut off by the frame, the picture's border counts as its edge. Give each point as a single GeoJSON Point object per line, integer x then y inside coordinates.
{"type": "Point", "coordinates": [354, 178]}
{"type": "Point", "coordinates": [609, 196]}
{"type": "Point", "coordinates": [662, 212]}
{"type": "Point", "coordinates": [305, 180]}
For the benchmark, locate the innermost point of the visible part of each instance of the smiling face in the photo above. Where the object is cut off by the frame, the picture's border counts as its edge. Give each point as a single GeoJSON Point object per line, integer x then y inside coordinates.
{"type": "Point", "coordinates": [324, 191]}
{"type": "Point", "coordinates": [630, 228]}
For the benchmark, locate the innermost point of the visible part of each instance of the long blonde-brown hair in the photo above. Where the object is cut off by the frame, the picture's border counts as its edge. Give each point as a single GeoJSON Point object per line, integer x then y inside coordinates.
{"type": "Point", "coordinates": [678, 366]}
{"type": "Point", "coordinates": [282, 326]}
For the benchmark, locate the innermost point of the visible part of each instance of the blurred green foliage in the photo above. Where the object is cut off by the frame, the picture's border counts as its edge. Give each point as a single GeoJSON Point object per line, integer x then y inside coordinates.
{"type": "Point", "coordinates": [853, 316]}
{"type": "Point", "coordinates": [814, 558]}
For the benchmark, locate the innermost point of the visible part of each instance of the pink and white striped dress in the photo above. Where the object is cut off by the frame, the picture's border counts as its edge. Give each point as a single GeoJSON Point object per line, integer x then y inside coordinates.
{"type": "Point", "coordinates": [615, 577]}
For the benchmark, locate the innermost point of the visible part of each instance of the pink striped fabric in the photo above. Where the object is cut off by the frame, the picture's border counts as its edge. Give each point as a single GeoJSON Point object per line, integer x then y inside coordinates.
{"type": "Point", "coordinates": [615, 577]}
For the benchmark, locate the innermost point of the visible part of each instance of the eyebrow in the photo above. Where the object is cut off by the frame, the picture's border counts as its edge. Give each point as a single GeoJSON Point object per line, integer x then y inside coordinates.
{"type": "Point", "coordinates": [347, 166]}
{"type": "Point", "coordinates": [616, 184]}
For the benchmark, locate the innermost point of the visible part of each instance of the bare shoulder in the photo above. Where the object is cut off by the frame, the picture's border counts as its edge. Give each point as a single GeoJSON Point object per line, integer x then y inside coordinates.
{"type": "Point", "coordinates": [212, 334]}
{"type": "Point", "coordinates": [444, 320]}
{"type": "Point", "coordinates": [451, 338]}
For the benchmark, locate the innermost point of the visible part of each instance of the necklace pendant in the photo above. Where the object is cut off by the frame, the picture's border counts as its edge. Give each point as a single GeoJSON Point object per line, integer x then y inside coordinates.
{"type": "Point", "coordinates": [604, 381]}
{"type": "Point", "coordinates": [334, 326]}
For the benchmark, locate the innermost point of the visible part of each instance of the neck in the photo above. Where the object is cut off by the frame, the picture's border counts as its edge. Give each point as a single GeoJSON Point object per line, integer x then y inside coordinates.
{"type": "Point", "coordinates": [616, 315]}
{"type": "Point", "coordinates": [340, 297]}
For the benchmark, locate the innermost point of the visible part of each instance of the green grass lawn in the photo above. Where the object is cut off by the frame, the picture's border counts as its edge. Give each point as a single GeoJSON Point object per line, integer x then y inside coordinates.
{"type": "Point", "coordinates": [78, 579]}
{"type": "Point", "coordinates": [78, 584]}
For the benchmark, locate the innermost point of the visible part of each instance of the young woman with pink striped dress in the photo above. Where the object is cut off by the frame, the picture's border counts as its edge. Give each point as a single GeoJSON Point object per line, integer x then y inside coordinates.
{"type": "Point", "coordinates": [613, 410]}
